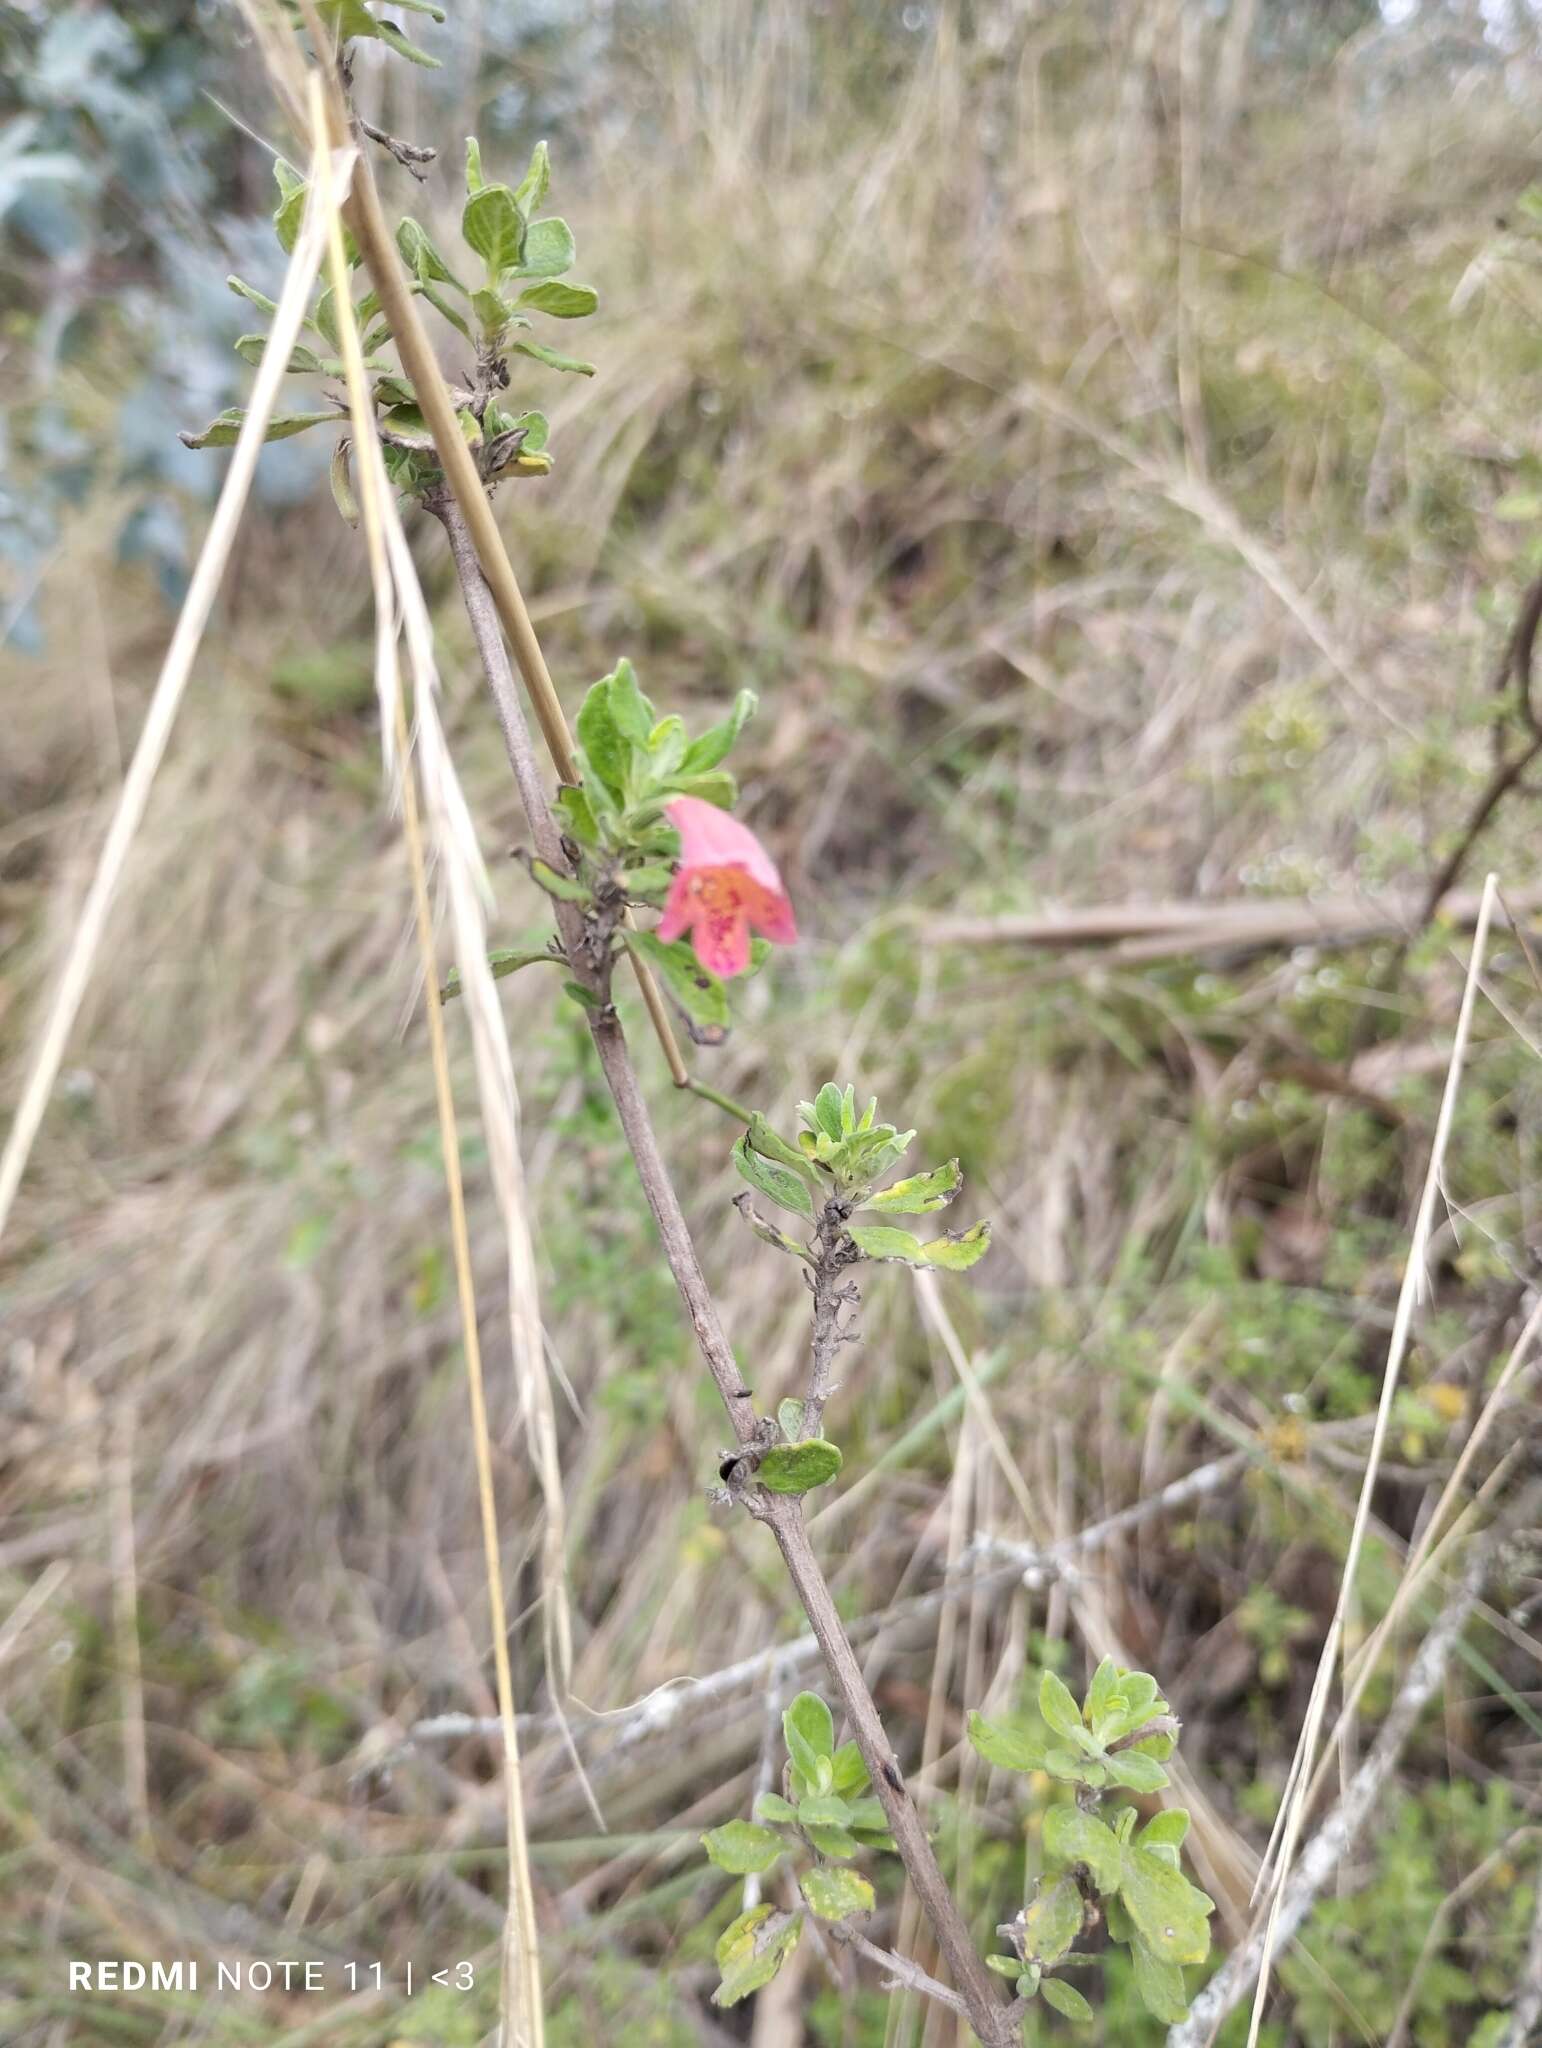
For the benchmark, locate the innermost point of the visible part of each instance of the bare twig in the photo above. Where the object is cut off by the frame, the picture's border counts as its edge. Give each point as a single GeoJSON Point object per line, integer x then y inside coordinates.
{"type": "Point", "coordinates": [902, 1974]}
{"type": "Point", "coordinates": [834, 1294]}
{"type": "Point", "coordinates": [1323, 1854]}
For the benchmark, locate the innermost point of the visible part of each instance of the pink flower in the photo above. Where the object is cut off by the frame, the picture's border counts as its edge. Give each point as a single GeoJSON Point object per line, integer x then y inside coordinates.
{"type": "Point", "coordinates": [726, 884]}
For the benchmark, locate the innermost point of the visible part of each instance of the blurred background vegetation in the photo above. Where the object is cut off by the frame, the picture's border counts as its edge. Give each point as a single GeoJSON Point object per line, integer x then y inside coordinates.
{"type": "Point", "coordinates": [1105, 434]}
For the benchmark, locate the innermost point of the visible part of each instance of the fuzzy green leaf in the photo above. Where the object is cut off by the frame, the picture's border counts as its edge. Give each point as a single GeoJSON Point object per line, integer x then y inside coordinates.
{"type": "Point", "coordinates": [1072, 1837]}
{"type": "Point", "coordinates": [742, 1848]}
{"type": "Point", "coordinates": [808, 1717]}
{"type": "Point", "coordinates": [535, 184]}
{"type": "Point", "coordinates": [224, 430]}
{"type": "Point", "coordinates": [1066, 2000]}
{"type": "Point", "coordinates": [1140, 1773]}
{"type": "Point", "coordinates": [1169, 1913]}
{"type": "Point", "coordinates": [758, 1952]}
{"type": "Point", "coordinates": [771, 1806]}
{"type": "Point", "coordinates": [561, 301]}
{"type": "Point", "coordinates": [1057, 1703]}
{"type": "Point", "coordinates": [833, 1842]}
{"type": "Point", "coordinates": [1052, 1922]}
{"type": "Point", "coordinates": [959, 1250]}
{"type": "Point", "coordinates": [549, 250]}
{"type": "Point", "coordinates": [710, 747]}
{"type": "Point", "coordinates": [778, 1183]}
{"type": "Point", "coordinates": [851, 1774]}
{"type": "Point", "coordinates": [540, 353]}
{"type": "Point", "coordinates": [1160, 1985]}
{"type": "Point", "coordinates": [493, 226]}
{"type": "Point", "coordinates": [836, 1894]}
{"type": "Point", "coordinates": [1007, 1745]}
{"type": "Point", "coordinates": [700, 994]}
{"type": "Point", "coordinates": [799, 1468]}
{"type": "Point", "coordinates": [920, 1194]}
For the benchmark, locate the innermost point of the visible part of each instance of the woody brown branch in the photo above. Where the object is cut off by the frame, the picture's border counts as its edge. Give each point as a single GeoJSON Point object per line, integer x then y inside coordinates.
{"type": "Point", "coordinates": [782, 1514]}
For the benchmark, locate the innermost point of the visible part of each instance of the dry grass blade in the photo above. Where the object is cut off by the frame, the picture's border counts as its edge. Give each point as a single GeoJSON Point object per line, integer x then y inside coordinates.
{"type": "Point", "coordinates": [176, 670]}
{"type": "Point", "coordinates": [1293, 1810]}
{"type": "Point", "coordinates": [455, 847]}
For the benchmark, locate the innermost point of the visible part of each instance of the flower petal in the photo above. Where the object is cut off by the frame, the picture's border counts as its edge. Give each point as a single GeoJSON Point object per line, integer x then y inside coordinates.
{"type": "Point", "coordinates": [679, 909]}
{"type": "Point", "coordinates": [710, 838]}
{"type": "Point", "coordinates": [722, 942]}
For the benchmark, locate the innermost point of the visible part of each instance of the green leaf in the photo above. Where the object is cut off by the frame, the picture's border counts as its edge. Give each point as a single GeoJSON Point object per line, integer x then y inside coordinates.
{"type": "Point", "coordinates": [605, 748]}
{"type": "Point", "coordinates": [1165, 1830]}
{"type": "Point", "coordinates": [772, 1806]}
{"type": "Point", "coordinates": [959, 1250]}
{"type": "Point", "coordinates": [828, 1104]}
{"type": "Point", "coordinates": [577, 815]}
{"type": "Point", "coordinates": [549, 250]}
{"type": "Point", "coordinates": [492, 225]}
{"type": "Point", "coordinates": [742, 1848]}
{"type": "Point", "coordinates": [1169, 1913]}
{"type": "Point", "coordinates": [1120, 1926]}
{"type": "Point", "coordinates": [1004, 1966]}
{"type": "Point", "coordinates": [1139, 1773]}
{"type": "Point", "coordinates": [535, 184]}
{"type": "Point", "coordinates": [224, 430]}
{"type": "Point", "coordinates": [710, 747]}
{"type": "Point", "coordinates": [1072, 1837]}
{"type": "Point", "coordinates": [422, 257]}
{"type": "Point", "coordinates": [1160, 1985]}
{"type": "Point", "coordinates": [1057, 1703]}
{"type": "Point", "coordinates": [565, 887]}
{"type": "Point", "coordinates": [825, 1809]}
{"type": "Point", "coordinates": [492, 312]}
{"type": "Point", "coordinates": [1103, 1690]}
{"type": "Point", "coordinates": [302, 360]}
{"type": "Point", "coordinates": [851, 1774]}
{"type": "Point", "coordinates": [779, 1183]}
{"type": "Point", "coordinates": [474, 178]}
{"type": "Point", "coordinates": [644, 883]}
{"type": "Point", "coordinates": [502, 961]}
{"type": "Point", "coordinates": [737, 1939]}
{"type": "Point", "coordinates": [259, 299]}
{"type": "Point", "coordinates": [1007, 1745]}
{"type": "Point", "coordinates": [716, 787]}
{"type": "Point", "coordinates": [868, 1816]}
{"type": "Point", "coordinates": [799, 1468]}
{"type": "Point", "coordinates": [1073, 1768]}
{"type": "Point", "coordinates": [540, 353]}
{"type": "Point", "coordinates": [884, 1241]}
{"type": "Point", "coordinates": [342, 484]}
{"type": "Point", "coordinates": [561, 301]}
{"type": "Point", "coordinates": [632, 711]}
{"type": "Point", "coordinates": [393, 39]}
{"type": "Point", "coordinates": [789, 1416]}
{"type": "Point", "coordinates": [766, 1141]}
{"type": "Point", "coordinates": [810, 1720]}
{"type": "Point", "coordinates": [290, 210]}
{"type": "Point", "coordinates": [700, 994]}
{"type": "Point", "coordinates": [833, 1842]}
{"type": "Point", "coordinates": [757, 1956]}
{"type": "Point", "coordinates": [836, 1894]}
{"type": "Point", "coordinates": [585, 998]}
{"type": "Point", "coordinates": [1066, 2000]}
{"type": "Point", "coordinates": [1052, 1922]}
{"type": "Point", "coordinates": [921, 1194]}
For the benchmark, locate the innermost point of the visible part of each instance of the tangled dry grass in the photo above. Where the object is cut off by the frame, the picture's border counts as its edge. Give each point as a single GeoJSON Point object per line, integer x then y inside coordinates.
{"type": "Point", "coordinates": [1087, 437]}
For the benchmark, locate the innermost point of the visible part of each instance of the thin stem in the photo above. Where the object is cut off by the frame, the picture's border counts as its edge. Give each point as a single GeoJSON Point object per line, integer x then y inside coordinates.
{"type": "Point", "coordinates": [901, 1970]}
{"type": "Point", "coordinates": [834, 1294]}
{"type": "Point", "coordinates": [726, 1103]}
{"type": "Point", "coordinates": [782, 1514]}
